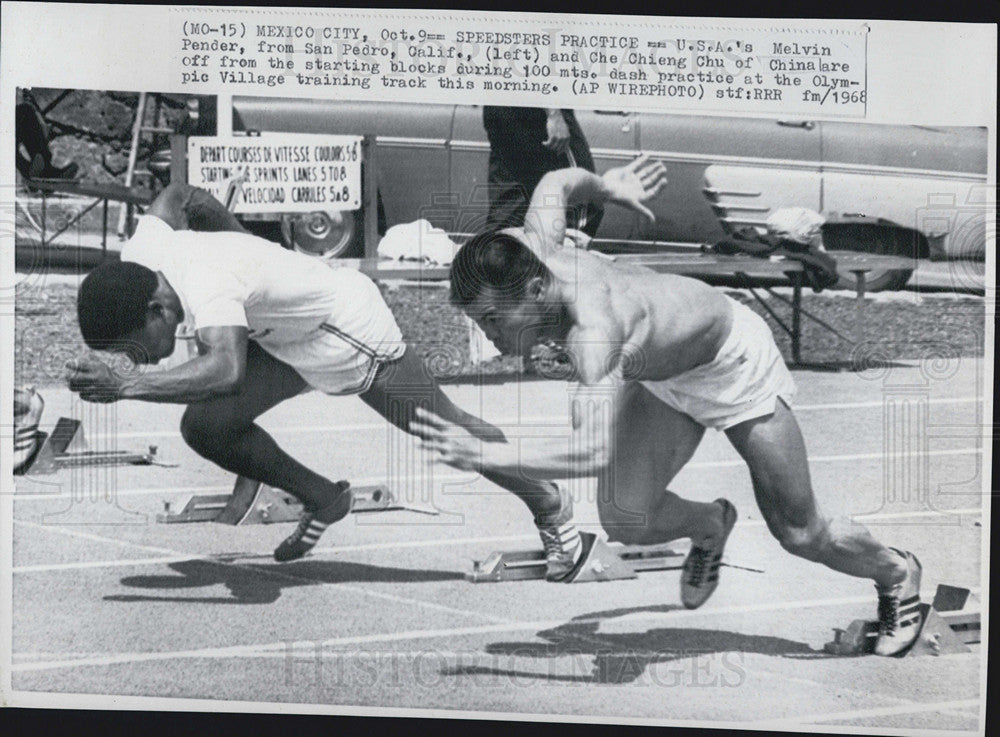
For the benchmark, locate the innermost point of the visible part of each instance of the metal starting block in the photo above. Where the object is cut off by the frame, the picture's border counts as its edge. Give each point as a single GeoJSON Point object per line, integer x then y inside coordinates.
{"type": "Point", "coordinates": [66, 447]}
{"type": "Point", "coordinates": [950, 625]}
{"type": "Point", "coordinates": [254, 503]}
{"type": "Point", "coordinates": [599, 561]}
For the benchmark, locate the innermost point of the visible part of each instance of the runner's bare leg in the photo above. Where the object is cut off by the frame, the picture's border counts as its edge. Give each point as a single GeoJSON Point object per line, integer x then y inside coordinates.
{"type": "Point", "coordinates": [775, 451]}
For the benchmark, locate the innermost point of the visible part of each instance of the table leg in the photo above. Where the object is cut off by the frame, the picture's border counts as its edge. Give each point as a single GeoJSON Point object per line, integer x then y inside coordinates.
{"type": "Point", "coordinates": [862, 283]}
{"type": "Point", "coordinates": [796, 316]}
{"type": "Point", "coordinates": [104, 232]}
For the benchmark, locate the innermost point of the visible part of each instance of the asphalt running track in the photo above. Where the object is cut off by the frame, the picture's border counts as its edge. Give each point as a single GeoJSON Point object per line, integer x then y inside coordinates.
{"type": "Point", "coordinates": [106, 601]}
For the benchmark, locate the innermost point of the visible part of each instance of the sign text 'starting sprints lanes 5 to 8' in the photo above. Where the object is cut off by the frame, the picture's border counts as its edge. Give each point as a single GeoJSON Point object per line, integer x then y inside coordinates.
{"type": "Point", "coordinates": [282, 172]}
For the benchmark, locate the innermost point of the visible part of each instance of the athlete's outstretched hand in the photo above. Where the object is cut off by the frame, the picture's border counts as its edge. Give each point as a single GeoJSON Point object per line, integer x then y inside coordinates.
{"type": "Point", "coordinates": [635, 183]}
{"type": "Point", "coordinates": [453, 444]}
{"type": "Point", "coordinates": [93, 381]}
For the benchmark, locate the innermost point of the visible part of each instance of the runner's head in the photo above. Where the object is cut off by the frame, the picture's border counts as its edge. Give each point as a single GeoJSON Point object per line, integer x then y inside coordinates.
{"type": "Point", "coordinates": [501, 284]}
{"type": "Point", "coordinates": [127, 308]}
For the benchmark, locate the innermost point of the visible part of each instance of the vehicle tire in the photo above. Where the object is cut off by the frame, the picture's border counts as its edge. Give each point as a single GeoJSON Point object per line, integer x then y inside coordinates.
{"type": "Point", "coordinates": [876, 236]}
{"type": "Point", "coordinates": [324, 234]}
{"type": "Point", "coordinates": [876, 281]}
{"type": "Point", "coordinates": [329, 234]}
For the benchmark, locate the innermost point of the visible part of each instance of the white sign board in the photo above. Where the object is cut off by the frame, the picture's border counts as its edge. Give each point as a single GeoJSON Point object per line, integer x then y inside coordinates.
{"type": "Point", "coordinates": [281, 172]}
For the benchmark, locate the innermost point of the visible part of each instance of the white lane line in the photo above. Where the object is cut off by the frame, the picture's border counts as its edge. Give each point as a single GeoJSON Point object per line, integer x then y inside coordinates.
{"type": "Point", "coordinates": [187, 491]}
{"type": "Point", "coordinates": [457, 477]}
{"type": "Point", "coordinates": [122, 562]}
{"type": "Point", "coordinates": [878, 516]}
{"type": "Point", "coordinates": [292, 647]}
{"type": "Point", "coordinates": [410, 544]}
{"type": "Point", "coordinates": [96, 538]}
{"type": "Point", "coordinates": [63, 655]}
{"type": "Point", "coordinates": [156, 491]}
{"type": "Point", "coordinates": [883, 711]}
{"type": "Point", "coordinates": [249, 567]}
{"type": "Point", "coordinates": [509, 421]}
{"type": "Point", "coordinates": [881, 403]}
{"type": "Point", "coordinates": [786, 679]}
{"type": "Point", "coordinates": [117, 563]}
{"type": "Point", "coordinates": [924, 513]}
{"type": "Point", "coordinates": [423, 543]}
{"type": "Point", "coordinates": [849, 457]}
{"type": "Point", "coordinates": [345, 654]}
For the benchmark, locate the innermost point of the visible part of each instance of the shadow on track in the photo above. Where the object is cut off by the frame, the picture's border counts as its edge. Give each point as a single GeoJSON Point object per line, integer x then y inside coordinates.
{"type": "Point", "coordinates": [252, 583]}
{"type": "Point", "coordinates": [621, 658]}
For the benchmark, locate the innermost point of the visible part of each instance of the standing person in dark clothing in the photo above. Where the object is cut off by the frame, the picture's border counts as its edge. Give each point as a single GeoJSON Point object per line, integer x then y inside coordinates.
{"type": "Point", "coordinates": [525, 144]}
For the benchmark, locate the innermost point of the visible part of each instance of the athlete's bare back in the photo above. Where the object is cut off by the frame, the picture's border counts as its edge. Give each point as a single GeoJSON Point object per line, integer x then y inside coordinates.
{"type": "Point", "coordinates": [668, 323]}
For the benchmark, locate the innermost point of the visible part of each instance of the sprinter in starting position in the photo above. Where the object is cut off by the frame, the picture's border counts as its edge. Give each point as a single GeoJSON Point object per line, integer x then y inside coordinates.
{"type": "Point", "coordinates": [269, 324]}
{"type": "Point", "coordinates": [658, 358]}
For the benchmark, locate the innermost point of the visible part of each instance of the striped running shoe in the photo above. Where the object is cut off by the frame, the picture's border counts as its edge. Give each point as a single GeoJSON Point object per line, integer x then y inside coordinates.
{"type": "Point", "coordinates": [700, 574]}
{"type": "Point", "coordinates": [560, 539]}
{"type": "Point", "coordinates": [28, 406]}
{"type": "Point", "coordinates": [899, 614]}
{"type": "Point", "coordinates": [313, 524]}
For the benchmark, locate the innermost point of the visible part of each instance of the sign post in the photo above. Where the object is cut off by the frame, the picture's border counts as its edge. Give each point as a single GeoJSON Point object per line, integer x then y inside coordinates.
{"type": "Point", "coordinates": [370, 182]}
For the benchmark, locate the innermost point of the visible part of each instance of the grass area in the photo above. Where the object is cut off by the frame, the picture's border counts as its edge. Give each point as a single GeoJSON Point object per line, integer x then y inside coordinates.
{"type": "Point", "coordinates": [910, 327]}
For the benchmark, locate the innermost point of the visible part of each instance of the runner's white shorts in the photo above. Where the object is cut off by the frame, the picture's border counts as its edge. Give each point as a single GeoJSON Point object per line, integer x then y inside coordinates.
{"type": "Point", "coordinates": [742, 383]}
{"type": "Point", "coordinates": [343, 355]}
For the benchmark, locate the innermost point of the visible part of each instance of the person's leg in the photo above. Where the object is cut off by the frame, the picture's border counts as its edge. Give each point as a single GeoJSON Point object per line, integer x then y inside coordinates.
{"type": "Point", "coordinates": [652, 443]}
{"type": "Point", "coordinates": [224, 431]}
{"type": "Point", "coordinates": [775, 452]}
{"type": "Point", "coordinates": [508, 195]}
{"type": "Point", "coordinates": [403, 385]}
